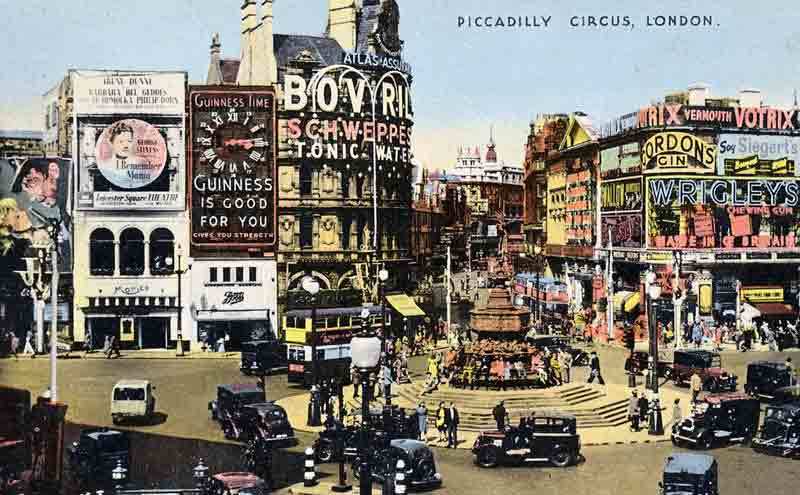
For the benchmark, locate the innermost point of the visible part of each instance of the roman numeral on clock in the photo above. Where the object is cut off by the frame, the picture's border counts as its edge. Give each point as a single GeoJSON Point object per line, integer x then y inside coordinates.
{"type": "Point", "coordinates": [256, 156]}
{"type": "Point", "coordinates": [256, 128]}
{"type": "Point", "coordinates": [218, 165]}
{"type": "Point", "coordinates": [209, 154]}
{"type": "Point", "coordinates": [259, 142]}
{"type": "Point", "coordinates": [204, 141]}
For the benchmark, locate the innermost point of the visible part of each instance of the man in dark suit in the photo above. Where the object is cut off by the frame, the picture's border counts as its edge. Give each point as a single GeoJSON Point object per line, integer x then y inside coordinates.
{"type": "Point", "coordinates": [451, 420]}
{"type": "Point", "coordinates": [594, 369]}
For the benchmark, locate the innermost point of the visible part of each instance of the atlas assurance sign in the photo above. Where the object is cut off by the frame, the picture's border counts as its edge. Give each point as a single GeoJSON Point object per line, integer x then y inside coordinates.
{"type": "Point", "coordinates": [668, 152]}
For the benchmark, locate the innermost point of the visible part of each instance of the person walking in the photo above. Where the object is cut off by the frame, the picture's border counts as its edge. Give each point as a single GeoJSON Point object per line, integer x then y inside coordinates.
{"type": "Point", "coordinates": [14, 344]}
{"type": "Point", "coordinates": [113, 348]}
{"type": "Point", "coordinates": [790, 369]}
{"type": "Point", "coordinates": [633, 411]}
{"type": "Point", "coordinates": [441, 424]}
{"type": "Point", "coordinates": [355, 377]}
{"type": "Point", "coordinates": [499, 414]}
{"type": "Point", "coordinates": [28, 347]}
{"type": "Point", "coordinates": [677, 414]}
{"type": "Point", "coordinates": [696, 385]}
{"type": "Point", "coordinates": [566, 366]}
{"type": "Point", "coordinates": [422, 421]}
{"type": "Point", "coordinates": [594, 369]}
{"type": "Point", "coordinates": [452, 420]}
{"type": "Point", "coordinates": [106, 345]}
{"type": "Point", "coordinates": [386, 381]}
{"type": "Point", "coordinates": [644, 406]}
{"type": "Point", "coordinates": [88, 341]}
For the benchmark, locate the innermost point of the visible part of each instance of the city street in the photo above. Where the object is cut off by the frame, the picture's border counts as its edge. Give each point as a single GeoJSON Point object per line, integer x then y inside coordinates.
{"type": "Point", "coordinates": [166, 451]}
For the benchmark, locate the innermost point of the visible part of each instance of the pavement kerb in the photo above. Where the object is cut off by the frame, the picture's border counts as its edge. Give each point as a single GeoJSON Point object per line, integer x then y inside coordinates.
{"type": "Point", "coordinates": [165, 354]}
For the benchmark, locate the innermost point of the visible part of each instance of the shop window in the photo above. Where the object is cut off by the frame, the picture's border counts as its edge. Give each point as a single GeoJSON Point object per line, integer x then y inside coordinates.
{"type": "Point", "coordinates": [131, 252]}
{"type": "Point", "coordinates": [240, 274]}
{"type": "Point", "coordinates": [306, 231]}
{"type": "Point", "coordinates": [226, 274]}
{"type": "Point", "coordinates": [101, 252]}
{"type": "Point", "coordinates": [212, 274]}
{"type": "Point", "coordinates": [253, 274]}
{"type": "Point", "coordinates": [306, 175]}
{"type": "Point", "coordinates": [162, 252]}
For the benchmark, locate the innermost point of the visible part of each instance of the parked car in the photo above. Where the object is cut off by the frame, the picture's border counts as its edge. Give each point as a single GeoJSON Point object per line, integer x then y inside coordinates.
{"type": "Point", "coordinates": [231, 398]}
{"type": "Point", "coordinates": [707, 364]}
{"type": "Point", "coordinates": [260, 357]}
{"type": "Point", "coordinates": [95, 454]}
{"type": "Point", "coordinates": [552, 438]}
{"type": "Point", "coordinates": [719, 419]}
{"type": "Point", "coordinates": [560, 342]}
{"type": "Point", "coordinates": [266, 421]}
{"type": "Point", "coordinates": [764, 378]}
{"type": "Point", "coordinates": [639, 360]}
{"type": "Point", "coordinates": [780, 433]}
{"type": "Point", "coordinates": [132, 399]}
{"type": "Point", "coordinates": [788, 394]}
{"type": "Point", "coordinates": [420, 465]}
{"type": "Point", "coordinates": [238, 483]}
{"type": "Point", "coordinates": [689, 474]}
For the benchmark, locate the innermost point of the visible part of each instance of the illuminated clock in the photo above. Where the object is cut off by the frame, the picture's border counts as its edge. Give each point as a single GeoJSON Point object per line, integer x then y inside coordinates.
{"type": "Point", "coordinates": [232, 142]}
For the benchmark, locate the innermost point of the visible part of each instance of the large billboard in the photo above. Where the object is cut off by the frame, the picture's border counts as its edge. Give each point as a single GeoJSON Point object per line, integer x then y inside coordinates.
{"type": "Point", "coordinates": [723, 212]}
{"type": "Point", "coordinates": [35, 194]}
{"type": "Point", "coordinates": [130, 140]}
{"type": "Point", "coordinates": [233, 154]}
{"type": "Point", "coordinates": [760, 155]}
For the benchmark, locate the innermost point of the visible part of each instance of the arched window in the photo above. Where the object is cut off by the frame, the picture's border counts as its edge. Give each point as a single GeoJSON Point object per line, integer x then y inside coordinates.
{"type": "Point", "coordinates": [131, 252]}
{"type": "Point", "coordinates": [101, 252]}
{"type": "Point", "coordinates": [162, 252]}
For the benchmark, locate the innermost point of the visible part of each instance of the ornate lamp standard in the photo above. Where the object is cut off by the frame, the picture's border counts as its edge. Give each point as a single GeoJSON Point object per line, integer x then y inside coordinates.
{"type": "Point", "coordinates": [366, 354]}
{"type": "Point", "coordinates": [653, 292]}
{"type": "Point", "coordinates": [311, 286]}
{"type": "Point", "coordinates": [179, 271]}
{"type": "Point", "coordinates": [537, 253]}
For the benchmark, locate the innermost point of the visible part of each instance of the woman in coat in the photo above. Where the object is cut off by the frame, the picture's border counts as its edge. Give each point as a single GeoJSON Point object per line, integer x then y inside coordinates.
{"type": "Point", "coordinates": [440, 422]}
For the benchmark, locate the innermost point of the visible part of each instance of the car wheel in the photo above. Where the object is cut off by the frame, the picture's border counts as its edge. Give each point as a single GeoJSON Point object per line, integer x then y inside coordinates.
{"type": "Point", "coordinates": [705, 442]}
{"type": "Point", "coordinates": [711, 385]}
{"type": "Point", "coordinates": [676, 441]}
{"type": "Point", "coordinates": [488, 457]}
{"type": "Point", "coordinates": [561, 459]}
{"type": "Point", "coordinates": [228, 432]}
{"type": "Point", "coordinates": [668, 374]}
{"type": "Point", "coordinates": [325, 453]}
{"type": "Point", "coordinates": [116, 420]}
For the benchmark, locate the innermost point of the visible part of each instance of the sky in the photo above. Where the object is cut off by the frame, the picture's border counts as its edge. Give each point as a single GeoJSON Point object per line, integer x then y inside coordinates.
{"type": "Point", "coordinates": [465, 79]}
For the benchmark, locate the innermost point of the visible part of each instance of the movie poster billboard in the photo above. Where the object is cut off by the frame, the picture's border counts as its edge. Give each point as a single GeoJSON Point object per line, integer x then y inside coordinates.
{"type": "Point", "coordinates": [233, 167]}
{"type": "Point", "coordinates": [623, 195]}
{"type": "Point", "coordinates": [759, 155]}
{"type": "Point", "coordinates": [35, 194]}
{"type": "Point", "coordinates": [723, 212]}
{"type": "Point", "coordinates": [130, 140]}
{"type": "Point", "coordinates": [625, 229]}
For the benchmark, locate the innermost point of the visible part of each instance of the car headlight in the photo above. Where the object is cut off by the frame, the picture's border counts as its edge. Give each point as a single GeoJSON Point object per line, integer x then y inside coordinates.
{"type": "Point", "coordinates": [437, 476]}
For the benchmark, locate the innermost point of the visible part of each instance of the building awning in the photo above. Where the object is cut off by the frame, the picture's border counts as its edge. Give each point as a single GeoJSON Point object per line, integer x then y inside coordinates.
{"type": "Point", "coordinates": [404, 305]}
{"type": "Point", "coordinates": [632, 302]}
{"type": "Point", "coordinates": [774, 309]}
{"type": "Point", "coordinates": [620, 298]}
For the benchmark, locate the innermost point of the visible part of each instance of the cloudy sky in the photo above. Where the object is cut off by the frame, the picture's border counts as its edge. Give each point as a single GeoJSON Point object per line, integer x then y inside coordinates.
{"type": "Point", "coordinates": [464, 78]}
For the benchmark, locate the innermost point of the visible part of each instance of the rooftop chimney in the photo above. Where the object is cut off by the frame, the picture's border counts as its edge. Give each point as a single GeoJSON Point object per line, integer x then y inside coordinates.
{"type": "Point", "coordinates": [264, 65]}
{"type": "Point", "coordinates": [214, 72]}
{"type": "Point", "coordinates": [750, 97]}
{"type": "Point", "coordinates": [698, 92]}
{"type": "Point", "coordinates": [342, 22]}
{"type": "Point", "coordinates": [249, 20]}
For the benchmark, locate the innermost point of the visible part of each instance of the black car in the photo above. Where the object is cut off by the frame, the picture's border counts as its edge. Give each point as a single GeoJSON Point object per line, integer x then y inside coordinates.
{"type": "Point", "coordinates": [266, 421]}
{"type": "Point", "coordinates": [689, 474]}
{"type": "Point", "coordinates": [639, 361]}
{"type": "Point", "coordinates": [764, 378]}
{"type": "Point", "coordinates": [552, 438]}
{"type": "Point", "coordinates": [96, 453]}
{"type": "Point", "coordinates": [780, 433]}
{"type": "Point", "coordinates": [707, 364]}
{"type": "Point", "coordinates": [719, 419]}
{"type": "Point", "coordinates": [560, 342]}
{"type": "Point", "coordinates": [260, 357]}
{"type": "Point", "coordinates": [418, 458]}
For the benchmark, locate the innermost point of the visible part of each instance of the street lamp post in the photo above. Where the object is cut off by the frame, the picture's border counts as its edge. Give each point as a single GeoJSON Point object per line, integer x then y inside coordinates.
{"type": "Point", "coordinates": [366, 354]}
{"type": "Point", "coordinates": [342, 486]}
{"type": "Point", "coordinates": [311, 286]}
{"type": "Point", "coordinates": [656, 426]}
{"type": "Point", "coordinates": [537, 251]}
{"type": "Point", "coordinates": [179, 271]}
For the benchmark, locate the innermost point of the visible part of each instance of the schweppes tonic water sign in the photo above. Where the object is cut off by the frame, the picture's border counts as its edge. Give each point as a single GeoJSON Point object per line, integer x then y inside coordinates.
{"type": "Point", "coordinates": [678, 152]}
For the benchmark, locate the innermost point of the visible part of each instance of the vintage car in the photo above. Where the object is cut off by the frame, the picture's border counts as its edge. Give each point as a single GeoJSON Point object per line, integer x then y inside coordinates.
{"type": "Point", "coordinates": [552, 438]}
{"type": "Point", "coordinates": [231, 398]}
{"type": "Point", "coordinates": [238, 483]}
{"type": "Point", "coordinates": [639, 360]}
{"type": "Point", "coordinates": [420, 465]}
{"type": "Point", "coordinates": [560, 342]}
{"type": "Point", "coordinates": [95, 454]}
{"type": "Point", "coordinates": [689, 474]}
{"type": "Point", "coordinates": [719, 419]}
{"type": "Point", "coordinates": [266, 421]}
{"type": "Point", "coordinates": [788, 394]}
{"type": "Point", "coordinates": [260, 357]}
{"type": "Point", "coordinates": [780, 433]}
{"type": "Point", "coordinates": [132, 399]}
{"type": "Point", "coordinates": [764, 378]}
{"type": "Point", "coordinates": [708, 366]}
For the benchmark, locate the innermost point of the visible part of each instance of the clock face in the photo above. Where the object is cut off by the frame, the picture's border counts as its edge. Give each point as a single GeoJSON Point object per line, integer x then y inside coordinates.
{"type": "Point", "coordinates": [233, 142]}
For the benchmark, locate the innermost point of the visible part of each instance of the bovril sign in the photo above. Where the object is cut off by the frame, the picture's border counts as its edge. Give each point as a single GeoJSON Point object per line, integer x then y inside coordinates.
{"type": "Point", "coordinates": [678, 151]}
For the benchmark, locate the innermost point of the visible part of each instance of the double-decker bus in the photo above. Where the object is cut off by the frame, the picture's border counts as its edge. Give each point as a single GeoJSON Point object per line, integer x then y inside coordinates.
{"type": "Point", "coordinates": [334, 329]}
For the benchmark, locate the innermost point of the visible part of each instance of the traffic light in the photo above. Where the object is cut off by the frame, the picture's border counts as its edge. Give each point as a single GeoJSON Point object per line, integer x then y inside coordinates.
{"type": "Point", "coordinates": [630, 341]}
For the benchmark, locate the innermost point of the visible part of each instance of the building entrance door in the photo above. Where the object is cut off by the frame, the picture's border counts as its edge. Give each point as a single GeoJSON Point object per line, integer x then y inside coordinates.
{"type": "Point", "coordinates": [102, 328]}
{"type": "Point", "coordinates": [153, 333]}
